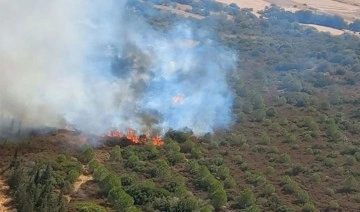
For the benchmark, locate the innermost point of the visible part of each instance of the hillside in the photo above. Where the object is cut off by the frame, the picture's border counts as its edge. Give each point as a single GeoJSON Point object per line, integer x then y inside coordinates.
{"type": "Point", "coordinates": [347, 9]}
{"type": "Point", "coordinates": [292, 144]}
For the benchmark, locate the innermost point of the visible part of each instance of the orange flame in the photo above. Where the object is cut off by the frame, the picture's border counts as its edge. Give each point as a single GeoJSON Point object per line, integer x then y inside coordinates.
{"type": "Point", "coordinates": [133, 138]}
{"type": "Point", "coordinates": [114, 134]}
{"type": "Point", "coordinates": [157, 141]}
{"type": "Point", "coordinates": [130, 135]}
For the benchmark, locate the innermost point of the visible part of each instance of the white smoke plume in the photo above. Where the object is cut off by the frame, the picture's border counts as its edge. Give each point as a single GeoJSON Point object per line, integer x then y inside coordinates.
{"type": "Point", "coordinates": [97, 66]}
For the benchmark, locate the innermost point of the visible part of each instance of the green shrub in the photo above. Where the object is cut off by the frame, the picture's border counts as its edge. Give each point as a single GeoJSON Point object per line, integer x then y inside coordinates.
{"type": "Point", "coordinates": [132, 209]}
{"type": "Point", "coordinates": [223, 172]}
{"type": "Point", "coordinates": [329, 191]}
{"type": "Point", "coordinates": [162, 170]}
{"type": "Point", "coordinates": [145, 192]}
{"type": "Point", "coordinates": [350, 184]}
{"type": "Point", "coordinates": [229, 182]}
{"type": "Point", "coordinates": [302, 197]}
{"type": "Point", "coordinates": [309, 207]}
{"type": "Point", "coordinates": [350, 160]}
{"type": "Point", "coordinates": [196, 153]}
{"type": "Point", "coordinates": [218, 198]}
{"type": "Point", "coordinates": [120, 199]}
{"type": "Point", "coordinates": [270, 170]}
{"type": "Point", "coordinates": [100, 173]}
{"type": "Point", "coordinates": [268, 189]}
{"type": "Point", "coordinates": [333, 205]}
{"type": "Point", "coordinates": [88, 154]}
{"type": "Point", "coordinates": [109, 182]}
{"type": "Point", "coordinates": [93, 164]}
{"type": "Point", "coordinates": [128, 180]}
{"type": "Point", "coordinates": [271, 112]}
{"type": "Point", "coordinates": [187, 204]}
{"type": "Point", "coordinates": [73, 175]}
{"type": "Point", "coordinates": [245, 199]}
{"type": "Point", "coordinates": [284, 158]}
{"type": "Point", "coordinates": [289, 185]}
{"type": "Point", "coordinates": [264, 139]}
{"type": "Point", "coordinates": [115, 153]}
{"type": "Point", "coordinates": [315, 178]}
{"type": "Point", "coordinates": [88, 207]}
{"type": "Point", "coordinates": [238, 159]}
{"type": "Point", "coordinates": [357, 156]}
{"type": "Point", "coordinates": [259, 115]}
{"type": "Point", "coordinates": [329, 162]}
{"type": "Point", "coordinates": [170, 145]}
{"type": "Point", "coordinates": [176, 157]}
{"type": "Point", "coordinates": [132, 161]}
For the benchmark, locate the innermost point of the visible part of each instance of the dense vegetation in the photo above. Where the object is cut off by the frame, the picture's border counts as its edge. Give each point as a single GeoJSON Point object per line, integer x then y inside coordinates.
{"type": "Point", "coordinates": [293, 146]}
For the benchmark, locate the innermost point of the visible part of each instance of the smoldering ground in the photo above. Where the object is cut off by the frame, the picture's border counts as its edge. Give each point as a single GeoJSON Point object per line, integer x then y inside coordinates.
{"type": "Point", "coordinates": [97, 66]}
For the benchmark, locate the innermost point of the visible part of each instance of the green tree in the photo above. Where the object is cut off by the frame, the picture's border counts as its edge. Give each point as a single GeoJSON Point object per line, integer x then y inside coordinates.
{"type": "Point", "coordinates": [115, 153]}
{"type": "Point", "coordinates": [88, 154]}
{"type": "Point", "coordinates": [245, 199]}
{"type": "Point", "coordinates": [109, 182]}
{"type": "Point", "coordinates": [120, 199]}
{"type": "Point", "coordinates": [350, 184]}
{"type": "Point", "coordinates": [218, 198]}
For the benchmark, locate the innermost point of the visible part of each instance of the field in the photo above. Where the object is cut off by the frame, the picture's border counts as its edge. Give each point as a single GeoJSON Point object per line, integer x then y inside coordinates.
{"type": "Point", "coordinates": [348, 9]}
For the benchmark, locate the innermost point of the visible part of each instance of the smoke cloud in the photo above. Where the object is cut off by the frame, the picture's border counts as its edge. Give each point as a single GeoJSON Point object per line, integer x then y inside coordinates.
{"type": "Point", "coordinates": [98, 66]}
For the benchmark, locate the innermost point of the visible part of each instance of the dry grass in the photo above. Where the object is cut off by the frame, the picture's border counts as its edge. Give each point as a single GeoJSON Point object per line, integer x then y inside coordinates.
{"type": "Point", "coordinates": [348, 9]}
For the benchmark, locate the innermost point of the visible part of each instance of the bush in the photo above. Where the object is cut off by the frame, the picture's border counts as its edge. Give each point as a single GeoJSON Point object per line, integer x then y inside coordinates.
{"type": "Point", "coordinates": [218, 198]}
{"type": "Point", "coordinates": [315, 178]}
{"type": "Point", "coordinates": [309, 207]}
{"type": "Point", "coordinates": [350, 184]}
{"type": "Point", "coordinates": [223, 172]}
{"type": "Point", "coordinates": [329, 191]}
{"type": "Point", "coordinates": [73, 175]}
{"type": "Point", "coordinates": [284, 158]}
{"type": "Point", "coordinates": [187, 204]}
{"type": "Point", "coordinates": [120, 199]}
{"type": "Point", "coordinates": [115, 153]}
{"type": "Point", "coordinates": [176, 157]}
{"type": "Point", "coordinates": [127, 180]}
{"type": "Point", "coordinates": [268, 189]}
{"type": "Point", "coordinates": [302, 197]}
{"type": "Point", "coordinates": [245, 199]}
{"type": "Point", "coordinates": [196, 153]}
{"type": "Point", "coordinates": [109, 182]}
{"type": "Point", "coordinates": [264, 139]}
{"type": "Point", "coordinates": [132, 161]}
{"type": "Point", "coordinates": [350, 160]}
{"type": "Point", "coordinates": [357, 197]}
{"type": "Point", "coordinates": [88, 207]}
{"type": "Point", "coordinates": [145, 192]}
{"type": "Point", "coordinates": [333, 205]}
{"type": "Point", "coordinates": [271, 112]}
{"type": "Point", "coordinates": [88, 154]}
{"type": "Point", "coordinates": [229, 182]}
{"type": "Point", "coordinates": [162, 170]}
{"type": "Point", "coordinates": [357, 156]}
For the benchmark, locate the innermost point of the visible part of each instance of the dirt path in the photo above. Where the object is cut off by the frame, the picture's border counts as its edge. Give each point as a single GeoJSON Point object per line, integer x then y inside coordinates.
{"type": "Point", "coordinates": [78, 191]}
{"type": "Point", "coordinates": [80, 181]}
{"type": "Point", "coordinates": [4, 198]}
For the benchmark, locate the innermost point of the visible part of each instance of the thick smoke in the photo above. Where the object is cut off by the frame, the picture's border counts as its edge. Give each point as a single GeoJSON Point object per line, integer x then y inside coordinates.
{"type": "Point", "coordinates": [97, 66]}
